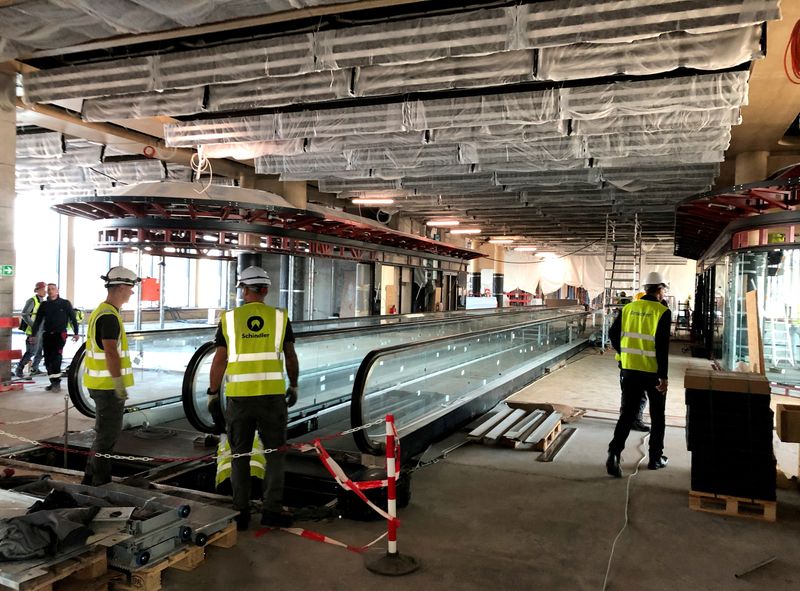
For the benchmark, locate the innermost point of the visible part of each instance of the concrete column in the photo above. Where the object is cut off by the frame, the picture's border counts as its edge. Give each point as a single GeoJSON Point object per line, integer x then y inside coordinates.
{"type": "Point", "coordinates": [66, 277]}
{"type": "Point", "coordinates": [8, 130]}
{"type": "Point", "coordinates": [751, 167]}
{"type": "Point", "coordinates": [497, 278]}
{"type": "Point", "coordinates": [295, 193]}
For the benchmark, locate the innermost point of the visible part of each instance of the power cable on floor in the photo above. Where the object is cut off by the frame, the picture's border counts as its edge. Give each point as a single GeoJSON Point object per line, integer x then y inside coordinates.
{"type": "Point", "coordinates": [645, 439]}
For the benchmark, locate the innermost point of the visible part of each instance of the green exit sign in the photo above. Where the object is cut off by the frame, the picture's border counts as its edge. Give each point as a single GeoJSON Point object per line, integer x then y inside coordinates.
{"type": "Point", "coordinates": [6, 270]}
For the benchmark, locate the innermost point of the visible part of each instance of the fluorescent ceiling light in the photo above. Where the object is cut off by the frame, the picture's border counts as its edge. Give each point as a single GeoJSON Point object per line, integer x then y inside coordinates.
{"type": "Point", "coordinates": [442, 222]}
{"type": "Point", "coordinates": [373, 201]}
{"type": "Point", "coordinates": [501, 241]}
{"type": "Point", "coordinates": [466, 231]}
{"type": "Point", "coordinates": [209, 238]}
{"type": "Point", "coordinates": [526, 248]}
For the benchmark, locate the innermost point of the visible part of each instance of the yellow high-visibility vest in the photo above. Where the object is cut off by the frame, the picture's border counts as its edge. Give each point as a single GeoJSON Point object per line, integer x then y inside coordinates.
{"type": "Point", "coordinates": [36, 304]}
{"type": "Point", "coordinates": [95, 372]}
{"type": "Point", "coordinates": [638, 343]}
{"type": "Point", "coordinates": [258, 461]}
{"type": "Point", "coordinates": [254, 333]}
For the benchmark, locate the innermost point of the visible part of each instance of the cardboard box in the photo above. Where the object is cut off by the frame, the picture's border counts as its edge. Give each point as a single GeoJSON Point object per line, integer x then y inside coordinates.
{"type": "Point", "coordinates": [725, 381]}
{"type": "Point", "coordinates": [787, 422]}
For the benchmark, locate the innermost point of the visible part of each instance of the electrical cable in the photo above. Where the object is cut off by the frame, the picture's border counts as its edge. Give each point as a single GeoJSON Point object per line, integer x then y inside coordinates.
{"type": "Point", "coordinates": [645, 439]}
{"type": "Point", "coordinates": [792, 51]}
{"type": "Point", "coordinates": [199, 165]}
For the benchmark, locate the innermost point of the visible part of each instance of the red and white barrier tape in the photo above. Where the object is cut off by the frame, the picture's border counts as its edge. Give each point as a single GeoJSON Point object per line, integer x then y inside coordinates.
{"type": "Point", "coordinates": [318, 537]}
{"type": "Point", "coordinates": [343, 480]}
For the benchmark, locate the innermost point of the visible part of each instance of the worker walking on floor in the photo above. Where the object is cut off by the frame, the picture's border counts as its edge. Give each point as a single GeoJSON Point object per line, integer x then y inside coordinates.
{"type": "Point", "coordinates": [52, 318]}
{"type": "Point", "coordinates": [255, 346]}
{"type": "Point", "coordinates": [640, 334]}
{"type": "Point", "coordinates": [107, 373]}
{"type": "Point", "coordinates": [33, 347]}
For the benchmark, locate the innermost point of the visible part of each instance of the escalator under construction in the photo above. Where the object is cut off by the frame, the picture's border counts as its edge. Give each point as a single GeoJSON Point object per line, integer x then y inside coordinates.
{"type": "Point", "coordinates": [434, 373]}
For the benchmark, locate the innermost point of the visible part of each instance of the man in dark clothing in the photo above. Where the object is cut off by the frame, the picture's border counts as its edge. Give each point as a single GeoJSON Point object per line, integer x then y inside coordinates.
{"type": "Point", "coordinates": [33, 351]}
{"type": "Point", "coordinates": [640, 335]}
{"type": "Point", "coordinates": [52, 318]}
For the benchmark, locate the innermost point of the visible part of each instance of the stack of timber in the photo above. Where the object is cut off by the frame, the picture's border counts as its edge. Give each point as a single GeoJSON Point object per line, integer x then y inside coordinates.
{"type": "Point", "coordinates": [537, 429]}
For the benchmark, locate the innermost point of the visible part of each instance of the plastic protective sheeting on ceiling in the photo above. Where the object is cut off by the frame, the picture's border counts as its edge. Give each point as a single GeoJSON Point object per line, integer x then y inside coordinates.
{"type": "Point", "coordinates": [28, 26]}
{"type": "Point", "coordinates": [690, 93]}
{"type": "Point", "coordinates": [39, 145]}
{"type": "Point", "coordinates": [175, 102]}
{"type": "Point", "coordinates": [652, 122]}
{"type": "Point", "coordinates": [474, 33]}
{"type": "Point", "coordinates": [705, 51]}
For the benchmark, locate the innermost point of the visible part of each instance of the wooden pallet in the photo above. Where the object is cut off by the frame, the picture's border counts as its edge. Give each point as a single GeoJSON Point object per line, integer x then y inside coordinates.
{"type": "Point", "coordinates": [734, 506]}
{"type": "Point", "coordinates": [80, 572]}
{"type": "Point", "coordinates": [548, 440]}
{"type": "Point", "coordinates": [186, 559]}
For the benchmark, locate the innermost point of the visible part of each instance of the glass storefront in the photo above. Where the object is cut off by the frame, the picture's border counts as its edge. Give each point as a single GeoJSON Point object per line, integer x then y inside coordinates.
{"type": "Point", "coordinates": [775, 274]}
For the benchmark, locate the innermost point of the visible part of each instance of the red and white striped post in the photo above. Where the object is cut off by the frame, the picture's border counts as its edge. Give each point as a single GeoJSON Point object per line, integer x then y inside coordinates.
{"type": "Point", "coordinates": [392, 563]}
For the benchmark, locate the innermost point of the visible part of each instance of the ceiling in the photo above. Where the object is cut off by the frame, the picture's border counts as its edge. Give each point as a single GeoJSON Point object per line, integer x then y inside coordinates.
{"type": "Point", "coordinates": [535, 120]}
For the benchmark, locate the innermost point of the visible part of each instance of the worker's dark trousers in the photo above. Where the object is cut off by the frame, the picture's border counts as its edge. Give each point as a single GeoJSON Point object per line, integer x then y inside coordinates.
{"type": "Point", "coordinates": [107, 427]}
{"type": "Point", "coordinates": [268, 414]}
{"type": "Point", "coordinates": [634, 385]}
{"type": "Point", "coordinates": [53, 345]}
{"type": "Point", "coordinates": [642, 402]}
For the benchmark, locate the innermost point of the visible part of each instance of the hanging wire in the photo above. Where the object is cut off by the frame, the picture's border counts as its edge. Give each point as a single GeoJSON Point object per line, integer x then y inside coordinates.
{"type": "Point", "coordinates": [200, 165]}
{"type": "Point", "coordinates": [791, 56]}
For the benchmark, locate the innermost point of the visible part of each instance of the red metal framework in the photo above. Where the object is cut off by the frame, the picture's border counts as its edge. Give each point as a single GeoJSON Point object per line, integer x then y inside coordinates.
{"type": "Point", "coordinates": [700, 219]}
{"type": "Point", "coordinates": [185, 227]}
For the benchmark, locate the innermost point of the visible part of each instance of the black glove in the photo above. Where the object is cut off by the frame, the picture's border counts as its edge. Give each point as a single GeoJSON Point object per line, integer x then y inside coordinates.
{"type": "Point", "coordinates": [215, 410]}
{"type": "Point", "coordinates": [291, 396]}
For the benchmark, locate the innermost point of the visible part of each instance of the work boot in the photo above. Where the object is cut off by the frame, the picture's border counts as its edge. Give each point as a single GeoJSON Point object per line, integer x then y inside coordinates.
{"type": "Point", "coordinates": [640, 425]}
{"type": "Point", "coordinates": [18, 372]}
{"type": "Point", "coordinates": [276, 519]}
{"type": "Point", "coordinates": [612, 465]}
{"type": "Point", "coordinates": [36, 372]}
{"type": "Point", "coordinates": [658, 463]}
{"type": "Point", "coordinates": [242, 521]}
{"type": "Point", "coordinates": [53, 388]}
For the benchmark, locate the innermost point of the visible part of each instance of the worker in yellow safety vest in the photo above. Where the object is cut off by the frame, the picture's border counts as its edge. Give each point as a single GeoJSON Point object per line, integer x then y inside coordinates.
{"type": "Point", "coordinates": [254, 347]}
{"type": "Point", "coordinates": [640, 335]}
{"type": "Point", "coordinates": [33, 347]}
{"type": "Point", "coordinates": [107, 372]}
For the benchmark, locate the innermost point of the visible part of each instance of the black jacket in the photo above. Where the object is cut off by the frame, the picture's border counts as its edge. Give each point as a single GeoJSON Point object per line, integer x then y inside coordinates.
{"type": "Point", "coordinates": [55, 315]}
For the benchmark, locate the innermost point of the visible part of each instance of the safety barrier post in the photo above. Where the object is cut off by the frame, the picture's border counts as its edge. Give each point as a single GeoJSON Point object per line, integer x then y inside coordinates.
{"type": "Point", "coordinates": [392, 563]}
{"type": "Point", "coordinates": [9, 354]}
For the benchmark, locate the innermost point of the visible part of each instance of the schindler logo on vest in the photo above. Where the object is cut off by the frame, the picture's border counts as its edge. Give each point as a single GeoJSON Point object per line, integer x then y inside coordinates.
{"type": "Point", "coordinates": [255, 324]}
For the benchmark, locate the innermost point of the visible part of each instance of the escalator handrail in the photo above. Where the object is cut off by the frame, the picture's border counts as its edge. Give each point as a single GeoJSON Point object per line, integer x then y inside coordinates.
{"type": "Point", "coordinates": [356, 407]}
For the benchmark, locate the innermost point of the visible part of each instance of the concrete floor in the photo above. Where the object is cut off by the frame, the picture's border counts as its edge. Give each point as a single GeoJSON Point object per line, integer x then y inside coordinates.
{"type": "Point", "coordinates": [491, 518]}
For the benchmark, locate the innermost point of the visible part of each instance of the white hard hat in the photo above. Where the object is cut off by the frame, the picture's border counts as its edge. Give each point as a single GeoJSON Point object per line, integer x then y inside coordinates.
{"type": "Point", "coordinates": [254, 277]}
{"type": "Point", "coordinates": [654, 278]}
{"type": "Point", "coordinates": [120, 276]}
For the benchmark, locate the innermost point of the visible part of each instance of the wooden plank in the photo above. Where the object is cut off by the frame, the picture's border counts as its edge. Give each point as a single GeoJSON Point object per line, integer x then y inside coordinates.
{"type": "Point", "coordinates": [755, 346]}
{"type": "Point", "coordinates": [504, 425]}
{"type": "Point", "coordinates": [733, 506]}
{"type": "Point", "coordinates": [82, 567]}
{"type": "Point", "coordinates": [525, 424]}
{"type": "Point", "coordinates": [479, 431]}
{"type": "Point", "coordinates": [545, 428]}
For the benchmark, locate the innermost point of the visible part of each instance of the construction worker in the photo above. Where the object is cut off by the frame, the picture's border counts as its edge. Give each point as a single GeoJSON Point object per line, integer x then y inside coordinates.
{"type": "Point", "coordinates": [50, 327]}
{"type": "Point", "coordinates": [640, 335]}
{"type": "Point", "coordinates": [255, 345]}
{"type": "Point", "coordinates": [107, 370]}
{"type": "Point", "coordinates": [33, 347]}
